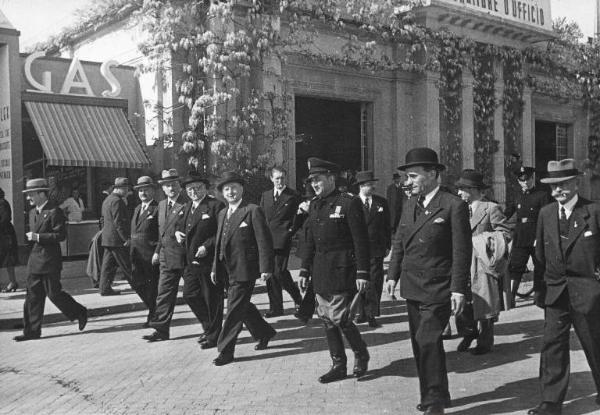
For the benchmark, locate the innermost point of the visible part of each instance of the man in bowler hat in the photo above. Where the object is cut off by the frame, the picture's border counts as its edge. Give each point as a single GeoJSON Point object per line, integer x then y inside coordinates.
{"type": "Point", "coordinates": [169, 255]}
{"type": "Point", "coordinates": [336, 255]}
{"type": "Point", "coordinates": [377, 216]}
{"type": "Point", "coordinates": [46, 231]}
{"type": "Point", "coordinates": [197, 232]}
{"type": "Point", "coordinates": [144, 238]}
{"type": "Point", "coordinates": [567, 247]}
{"type": "Point", "coordinates": [280, 205]}
{"type": "Point", "coordinates": [243, 253]}
{"type": "Point", "coordinates": [431, 255]}
{"type": "Point", "coordinates": [116, 237]}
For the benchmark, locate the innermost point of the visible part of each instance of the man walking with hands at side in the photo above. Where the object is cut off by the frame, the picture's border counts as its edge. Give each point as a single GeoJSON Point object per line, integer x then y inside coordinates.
{"type": "Point", "coordinates": [431, 254]}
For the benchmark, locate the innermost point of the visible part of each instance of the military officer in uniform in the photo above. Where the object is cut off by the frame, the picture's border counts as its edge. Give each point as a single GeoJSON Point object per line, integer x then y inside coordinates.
{"type": "Point", "coordinates": [336, 253]}
{"type": "Point", "coordinates": [431, 254]}
{"type": "Point", "coordinates": [567, 248]}
{"type": "Point", "coordinates": [197, 233]}
{"type": "Point", "coordinates": [377, 216]}
{"type": "Point", "coordinates": [527, 206]}
{"type": "Point", "coordinates": [144, 238]}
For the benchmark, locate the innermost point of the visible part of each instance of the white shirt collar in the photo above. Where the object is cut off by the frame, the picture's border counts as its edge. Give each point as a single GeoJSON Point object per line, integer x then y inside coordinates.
{"type": "Point", "coordinates": [39, 208]}
{"type": "Point", "coordinates": [430, 196]}
{"type": "Point", "coordinates": [569, 206]}
{"type": "Point", "coordinates": [364, 198]}
{"type": "Point", "coordinates": [146, 204]}
{"type": "Point", "coordinates": [278, 192]}
{"type": "Point", "coordinates": [233, 206]}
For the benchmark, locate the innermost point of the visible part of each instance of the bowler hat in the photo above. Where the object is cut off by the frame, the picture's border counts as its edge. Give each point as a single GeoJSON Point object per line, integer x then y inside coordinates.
{"type": "Point", "coordinates": [194, 177]}
{"type": "Point", "coordinates": [471, 178]}
{"type": "Point", "coordinates": [36, 185]}
{"type": "Point", "coordinates": [170, 175]}
{"type": "Point", "coordinates": [524, 172]}
{"type": "Point", "coordinates": [121, 182]}
{"type": "Point", "coordinates": [365, 176]}
{"type": "Point", "coordinates": [230, 177]}
{"type": "Point", "coordinates": [320, 166]}
{"type": "Point", "coordinates": [144, 181]}
{"type": "Point", "coordinates": [421, 156]}
{"type": "Point", "coordinates": [561, 171]}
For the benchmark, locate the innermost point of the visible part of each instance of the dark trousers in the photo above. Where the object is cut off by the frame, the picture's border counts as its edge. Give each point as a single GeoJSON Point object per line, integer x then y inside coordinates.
{"type": "Point", "coordinates": [168, 285]}
{"type": "Point", "coordinates": [38, 287]}
{"type": "Point", "coordinates": [517, 264]}
{"type": "Point", "coordinates": [308, 303]}
{"type": "Point", "coordinates": [205, 299]}
{"type": "Point", "coordinates": [281, 280]}
{"type": "Point", "coordinates": [371, 298]}
{"type": "Point", "coordinates": [240, 310]}
{"type": "Point", "coordinates": [113, 257]}
{"type": "Point", "coordinates": [554, 361]}
{"type": "Point", "coordinates": [144, 281]}
{"type": "Point", "coordinates": [426, 323]}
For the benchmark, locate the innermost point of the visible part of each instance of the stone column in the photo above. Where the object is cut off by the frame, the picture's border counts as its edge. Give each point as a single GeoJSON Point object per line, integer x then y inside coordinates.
{"type": "Point", "coordinates": [528, 143]}
{"type": "Point", "coordinates": [468, 128]}
{"type": "Point", "coordinates": [426, 110]}
{"type": "Point", "coordinates": [499, 184]}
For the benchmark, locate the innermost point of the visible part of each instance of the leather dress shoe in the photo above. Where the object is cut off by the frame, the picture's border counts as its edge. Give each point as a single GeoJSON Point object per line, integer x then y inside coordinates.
{"type": "Point", "coordinates": [335, 373]}
{"type": "Point", "coordinates": [202, 338]}
{"type": "Point", "coordinates": [464, 344]}
{"type": "Point", "coordinates": [109, 293]}
{"type": "Point", "coordinates": [83, 319]}
{"type": "Point", "coordinates": [373, 323]}
{"type": "Point", "coordinates": [25, 337]}
{"type": "Point", "coordinates": [206, 344]}
{"type": "Point", "coordinates": [423, 408]}
{"type": "Point", "coordinates": [546, 408]}
{"type": "Point", "coordinates": [361, 319]}
{"type": "Point", "coordinates": [303, 320]}
{"type": "Point", "coordinates": [222, 359]}
{"type": "Point", "coordinates": [435, 409]}
{"type": "Point", "coordinates": [271, 313]}
{"type": "Point", "coordinates": [156, 337]}
{"type": "Point", "coordinates": [361, 364]}
{"type": "Point", "coordinates": [263, 343]}
{"type": "Point", "coordinates": [477, 350]}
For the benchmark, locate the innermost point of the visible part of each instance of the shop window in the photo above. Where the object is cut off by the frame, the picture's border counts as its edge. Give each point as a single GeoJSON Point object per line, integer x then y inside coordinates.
{"type": "Point", "coordinates": [552, 142]}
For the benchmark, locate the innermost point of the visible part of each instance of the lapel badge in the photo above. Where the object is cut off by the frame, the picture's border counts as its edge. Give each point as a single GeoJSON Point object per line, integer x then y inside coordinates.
{"type": "Point", "coordinates": [426, 212]}
{"type": "Point", "coordinates": [519, 206]}
{"type": "Point", "coordinates": [574, 224]}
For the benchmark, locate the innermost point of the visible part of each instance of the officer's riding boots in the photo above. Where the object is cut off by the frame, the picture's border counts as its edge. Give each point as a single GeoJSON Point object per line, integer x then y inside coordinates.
{"type": "Point", "coordinates": [361, 354]}
{"type": "Point", "coordinates": [338, 356]}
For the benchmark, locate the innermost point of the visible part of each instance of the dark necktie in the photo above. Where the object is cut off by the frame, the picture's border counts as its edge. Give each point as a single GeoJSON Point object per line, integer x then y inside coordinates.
{"type": "Point", "coordinates": [169, 207]}
{"type": "Point", "coordinates": [563, 223]}
{"type": "Point", "coordinates": [470, 211]}
{"type": "Point", "coordinates": [367, 204]}
{"type": "Point", "coordinates": [276, 197]}
{"type": "Point", "coordinates": [224, 235]}
{"type": "Point", "coordinates": [420, 207]}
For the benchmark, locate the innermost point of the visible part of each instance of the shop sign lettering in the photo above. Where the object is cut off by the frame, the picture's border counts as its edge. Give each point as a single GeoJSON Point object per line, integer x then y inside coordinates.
{"type": "Point", "coordinates": [76, 78]}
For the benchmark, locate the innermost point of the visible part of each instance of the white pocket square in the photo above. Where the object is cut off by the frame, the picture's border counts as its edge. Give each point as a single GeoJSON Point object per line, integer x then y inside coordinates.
{"type": "Point", "coordinates": [243, 225]}
{"type": "Point", "coordinates": [205, 216]}
{"type": "Point", "coordinates": [380, 209]}
{"type": "Point", "coordinates": [439, 220]}
{"type": "Point", "coordinates": [587, 234]}
{"type": "Point", "coordinates": [181, 212]}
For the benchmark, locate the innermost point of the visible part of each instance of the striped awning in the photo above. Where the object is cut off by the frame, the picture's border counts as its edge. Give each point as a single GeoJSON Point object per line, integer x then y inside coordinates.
{"type": "Point", "coordinates": [86, 135]}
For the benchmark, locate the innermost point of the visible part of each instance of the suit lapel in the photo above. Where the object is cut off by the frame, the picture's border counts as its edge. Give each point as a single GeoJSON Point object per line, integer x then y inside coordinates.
{"type": "Point", "coordinates": [136, 219]}
{"type": "Point", "coordinates": [579, 219]}
{"type": "Point", "coordinates": [174, 211]}
{"type": "Point", "coordinates": [235, 220]}
{"type": "Point", "coordinates": [430, 211]}
{"type": "Point", "coordinates": [553, 228]}
{"type": "Point", "coordinates": [41, 217]}
{"type": "Point", "coordinates": [479, 214]}
{"type": "Point", "coordinates": [372, 211]}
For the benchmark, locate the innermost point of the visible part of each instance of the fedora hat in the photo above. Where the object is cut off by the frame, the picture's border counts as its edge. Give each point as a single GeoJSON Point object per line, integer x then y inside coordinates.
{"type": "Point", "coordinates": [144, 181]}
{"type": "Point", "coordinates": [194, 177]}
{"type": "Point", "coordinates": [230, 177]}
{"type": "Point", "coordinates": [421, 156]}
{"type": "Point", "coordinates": [471, 178]}
{"type": "Point", "coordinates": [561, 171]}
{"type": "Point", "coordinates": [36, 185]}
{"type": "Point", "coordinates": [320, 166]}
{"type": "Point", "coordinates": [121, 182]}
{"type": "Point", "coordinates": [365, 176]}
{"type": "Point", "coordinates": [170, 175]}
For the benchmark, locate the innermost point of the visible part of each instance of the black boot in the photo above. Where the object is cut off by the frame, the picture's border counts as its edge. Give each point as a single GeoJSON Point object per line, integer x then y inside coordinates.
{"type": "Point", "coordinates": [359, 347]}
{"type": "Point", "coordinates": [338, 356]}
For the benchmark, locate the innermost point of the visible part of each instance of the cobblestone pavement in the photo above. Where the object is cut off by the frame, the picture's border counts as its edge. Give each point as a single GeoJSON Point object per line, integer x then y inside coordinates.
{"type": "Point", "coordinates": [108, 369]}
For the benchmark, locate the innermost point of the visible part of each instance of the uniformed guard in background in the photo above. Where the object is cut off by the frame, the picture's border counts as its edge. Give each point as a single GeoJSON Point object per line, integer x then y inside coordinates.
{"type": "Point", "coordinates": [336, 252]}
{"type": "Point", "coordinates": [527, 206]}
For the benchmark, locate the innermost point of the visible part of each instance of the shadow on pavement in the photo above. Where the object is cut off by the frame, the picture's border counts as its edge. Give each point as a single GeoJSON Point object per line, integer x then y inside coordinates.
{"type": "Point", "coordinates": [524, 394]}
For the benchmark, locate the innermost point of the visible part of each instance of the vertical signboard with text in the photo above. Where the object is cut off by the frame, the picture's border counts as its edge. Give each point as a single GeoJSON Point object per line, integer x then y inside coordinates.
{"type": "Point", "coordinates": [5, 127]}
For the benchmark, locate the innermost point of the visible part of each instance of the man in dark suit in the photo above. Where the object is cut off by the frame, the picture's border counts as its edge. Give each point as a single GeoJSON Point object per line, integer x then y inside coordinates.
{"type": "Point", "coordinates": [336, 254]}
{"type": "Point", "coordinates": [377, 216]}
{"type": "Point", "coordinates": [116, 232]}
{"type": "Point", "coordinates": [243, 253]}
{"type": "Point", "coordinates": [431, 254]}
{"type": "Point", "coordinates": [395, 198]}
{"type": "Point", "coordinates": [144, 238]}
{"type": "Point", "coordinates": [567, 248]}
{"type": "Point", "coordinates": [280, 205]}
{"type": "Point", "coordinates": [169, 254]}
{"type": "Point", "coordinates": [527, 205]}
{"type": "Point", "coordinates": [46, 231]}
{"type": "Point", "coordinates": [197, 231]}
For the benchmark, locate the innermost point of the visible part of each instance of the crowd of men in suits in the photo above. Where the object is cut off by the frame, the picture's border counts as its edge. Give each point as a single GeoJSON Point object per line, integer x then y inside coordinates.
{"type": "Point", "coordinates": [449, 252]}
